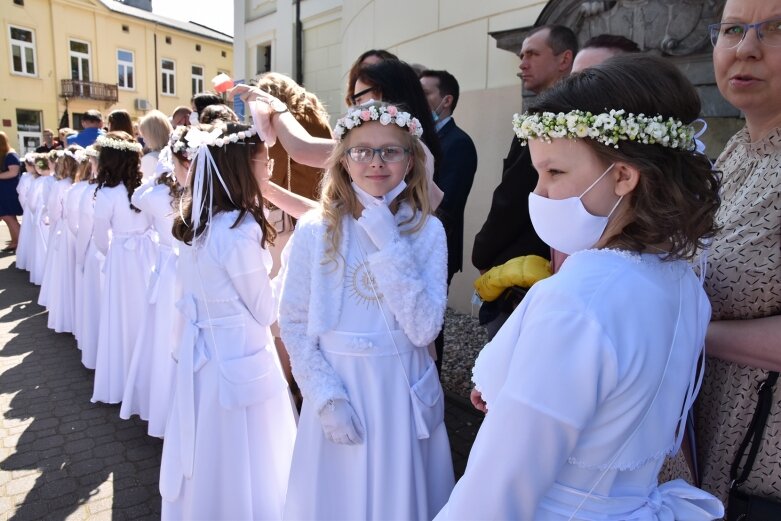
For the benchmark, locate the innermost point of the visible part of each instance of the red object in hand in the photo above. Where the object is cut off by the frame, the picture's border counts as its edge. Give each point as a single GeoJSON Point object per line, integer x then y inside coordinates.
{"type": "Point", "coordinates": [222, 83]}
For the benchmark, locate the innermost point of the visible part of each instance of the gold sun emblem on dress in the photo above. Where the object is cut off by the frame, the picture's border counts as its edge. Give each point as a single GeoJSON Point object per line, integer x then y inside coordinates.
{"type": "Point", "coordinates": [362, 284]}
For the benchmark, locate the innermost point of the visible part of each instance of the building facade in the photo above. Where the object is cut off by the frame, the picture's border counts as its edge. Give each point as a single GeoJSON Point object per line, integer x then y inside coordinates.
{"type": "Point", "coordinates": [317, 41]}
{"type": "Point", "coordinates": [69, 56]}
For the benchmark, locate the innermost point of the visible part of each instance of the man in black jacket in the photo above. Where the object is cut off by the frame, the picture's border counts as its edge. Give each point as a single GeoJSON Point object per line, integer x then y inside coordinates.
{"type": "Point", "coordinates": [456, 171]}
{"type": "Point", "coordinates": [546, 57]}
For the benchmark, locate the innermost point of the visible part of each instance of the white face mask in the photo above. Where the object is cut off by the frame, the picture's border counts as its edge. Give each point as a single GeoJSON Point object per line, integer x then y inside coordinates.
{"type": "Point", "coordinates": [368, 200]}
{"type": "Point", "coordinates": [565, 224]}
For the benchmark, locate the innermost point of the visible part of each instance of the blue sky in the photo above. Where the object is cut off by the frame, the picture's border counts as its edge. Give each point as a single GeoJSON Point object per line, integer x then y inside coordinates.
{"type": "Point", "coordinates": [217, 14]}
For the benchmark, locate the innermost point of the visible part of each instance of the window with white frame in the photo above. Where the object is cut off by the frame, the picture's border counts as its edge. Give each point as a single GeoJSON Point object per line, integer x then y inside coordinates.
{"type": "Point", "coordinates": [125, 70]}
{"type": "Point", "coordinates": [168, 77]}
{"type": "Point", "coordinates": [80, 60]}
{"type": "Point", "coordinates": [197, 79]}
{"type": "Point", "coordinates": [22, 51]}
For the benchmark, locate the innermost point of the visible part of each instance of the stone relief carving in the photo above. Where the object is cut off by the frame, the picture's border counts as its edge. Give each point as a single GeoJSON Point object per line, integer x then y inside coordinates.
{"type": "Point", "coordinates": [670, 27]}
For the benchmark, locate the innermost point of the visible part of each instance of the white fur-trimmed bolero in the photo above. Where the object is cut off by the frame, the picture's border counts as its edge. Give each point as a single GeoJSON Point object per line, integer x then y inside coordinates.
{"type": "Point", "coordinates": [411, 273]}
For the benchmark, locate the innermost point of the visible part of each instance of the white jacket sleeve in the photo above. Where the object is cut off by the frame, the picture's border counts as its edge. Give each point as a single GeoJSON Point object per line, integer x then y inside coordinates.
{"type": "Point", "coordinates": [319, 381]}
{"type": "Point", "coordinates": [54, 204]}
{"type": "Point", "coordinates": [247, 265]}
{"type": "Point", "coordinates": [85, 224]}
{"type": "Point", "coordinates": [412, 273]}
{"type": "Point", "coordinates": [102, 221]}
{"type": "Point", "coordinates": [71, 208]}
{"type": "Point", "coordinates": [563, 368]}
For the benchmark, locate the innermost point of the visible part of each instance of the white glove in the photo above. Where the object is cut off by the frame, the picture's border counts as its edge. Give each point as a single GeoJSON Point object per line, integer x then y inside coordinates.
{"type": "Point", "coordinates": [379, 224]}
{"type": "Point", "coordinates": [340, 423]}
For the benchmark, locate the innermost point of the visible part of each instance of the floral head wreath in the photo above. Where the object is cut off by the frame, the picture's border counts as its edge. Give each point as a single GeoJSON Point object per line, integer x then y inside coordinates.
{"type": "Point", "coordinates": [204, 168]}
{"type": "Point", "coordinates": [118, 144]}
{"type": "Point", "coordinates": [188, 140]}
{"type": "Point", "coordinates": [91, 151]}
{"type": "Point", "coordinates": [609, 128]}
{"type": "Point", "coordinates": [385, 114]}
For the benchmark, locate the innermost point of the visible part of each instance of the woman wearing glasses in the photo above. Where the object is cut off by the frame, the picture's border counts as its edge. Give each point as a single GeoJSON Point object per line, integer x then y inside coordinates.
{"type": "Point", "coordinates": [744, 276]}
{"type": "Point", "coordinates": [364, 293]}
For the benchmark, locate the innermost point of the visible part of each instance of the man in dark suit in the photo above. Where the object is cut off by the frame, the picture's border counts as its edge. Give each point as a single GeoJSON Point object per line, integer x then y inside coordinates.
{"type": "Point", "coordinates": [546, 57]}
{"type": "Point", "coordinates": [457, 169]}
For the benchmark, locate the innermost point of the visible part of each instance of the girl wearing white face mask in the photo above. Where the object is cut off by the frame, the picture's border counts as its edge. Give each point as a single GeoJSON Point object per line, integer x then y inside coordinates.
{"type": "Point", "coordinates": [364, 293]}
{"type": "Point", "coordinates": [588, 384]}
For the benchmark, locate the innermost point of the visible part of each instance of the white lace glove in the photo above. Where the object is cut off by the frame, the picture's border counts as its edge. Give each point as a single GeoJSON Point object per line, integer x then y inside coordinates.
{"type": "Point", "coordinates": [340, 423]}
{"type": "Point", "coordinates": [379, 224]}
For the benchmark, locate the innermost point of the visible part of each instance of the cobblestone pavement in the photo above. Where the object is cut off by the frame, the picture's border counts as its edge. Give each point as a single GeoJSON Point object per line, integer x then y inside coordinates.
{"type": "Point", "coordinates": [63, 457]}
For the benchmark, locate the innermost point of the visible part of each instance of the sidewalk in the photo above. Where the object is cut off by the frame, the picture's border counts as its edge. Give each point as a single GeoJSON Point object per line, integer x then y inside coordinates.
{"type": "Point", "coordinates": [63, 457]}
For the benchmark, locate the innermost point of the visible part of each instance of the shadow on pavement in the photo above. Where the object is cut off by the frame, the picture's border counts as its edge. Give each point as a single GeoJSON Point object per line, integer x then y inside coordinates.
{"type": "Point", "coordinates": [75, 445]}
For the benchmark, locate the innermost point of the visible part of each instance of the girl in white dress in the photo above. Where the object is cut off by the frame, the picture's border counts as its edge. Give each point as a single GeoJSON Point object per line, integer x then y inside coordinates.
{"type": "Point", "coordinates": [588, 384]}
{"type": "Point", "coordinates": [72, 211]}
{"type": "Point", "coordinates": [39, 196]}
{"type": "Point", "coordinates": [149, 386]}
{"type": "Point", "coordinates": [364, 294]}
{"type": "Point", "coordinates": [231, 430]}
{"type": "Point", "coordinates": [90, 261]}
{"type": "Point", "coordinates": [24, 189]}
{"type": "Point", "coordinates": [57, 288]}
{"type": "Point", "coordinates": [121, 233]}
{"type": "Point", "coordinates": [155, 128]}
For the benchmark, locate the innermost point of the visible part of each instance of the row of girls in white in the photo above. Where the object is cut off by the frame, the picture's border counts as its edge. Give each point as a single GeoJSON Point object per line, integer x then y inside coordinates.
{"type": "Point", "coordinates": [575, 395]}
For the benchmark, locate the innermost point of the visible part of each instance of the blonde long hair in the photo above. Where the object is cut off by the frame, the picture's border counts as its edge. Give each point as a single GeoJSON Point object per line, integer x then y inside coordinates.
{"type": "Point", "coordinates": [338, 197]}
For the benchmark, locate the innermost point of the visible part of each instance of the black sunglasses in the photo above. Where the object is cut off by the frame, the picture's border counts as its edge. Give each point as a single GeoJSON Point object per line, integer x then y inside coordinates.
{"type": "Point", "coordinates": [355, 97]}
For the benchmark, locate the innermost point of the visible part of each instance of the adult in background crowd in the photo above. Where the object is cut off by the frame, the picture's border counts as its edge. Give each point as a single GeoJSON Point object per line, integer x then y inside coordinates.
{"type": "Point", "coordinates": [181, 116]}
{"type": "Point", "coordinates": [92, 127]}
{"type": "Point", "coordinates": [49, 143]}
{"type": "Point", "coordinates": [456, 171]}
{"type": "Point", "coordinates": [600, 48]}
{"type": "Point", "coordinates": [546, 57]}
{"type": "Point", "coordinates": [744, 273]}
{"type": "Point", "coordinates": [370, 57]}
{"type": "Point", "coordinates": [9, 199]}
{"type": "Point", "coordinates": [120, 120]}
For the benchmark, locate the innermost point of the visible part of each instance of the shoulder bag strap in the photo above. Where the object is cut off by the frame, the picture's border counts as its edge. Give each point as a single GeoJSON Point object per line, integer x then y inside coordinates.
{"type": "Point", "coordinates": [755, 430]}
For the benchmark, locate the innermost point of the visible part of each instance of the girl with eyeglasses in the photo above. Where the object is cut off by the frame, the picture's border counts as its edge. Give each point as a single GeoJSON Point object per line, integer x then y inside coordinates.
{"type": "Point", "coordinates": [364, 293]}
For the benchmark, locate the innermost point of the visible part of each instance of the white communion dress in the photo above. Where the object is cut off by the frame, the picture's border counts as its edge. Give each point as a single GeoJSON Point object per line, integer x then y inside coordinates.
{"type": "Point", "coordinates": [122, 235]}
{"type": "Point", "coordinates": [54, 215]}
{"type": "Point", "coordinates": [40, 194]}
{"type": "Point", "coordinates": [150, 380]}
{"type": "Point", "coordinates": [232, 427]}
{"type": "Point", "coordinates": [331, 319]}
{"type": "Point", "coordinates": [586, 385]}
{"type": "Point", "coordinates": [59, 278]}
{"type": "Point", "coordinates": [23, 247]}
{"type": "Point", "coordinates": [72, 215]}
{"type": "Point", "coordinates": [90, 260]}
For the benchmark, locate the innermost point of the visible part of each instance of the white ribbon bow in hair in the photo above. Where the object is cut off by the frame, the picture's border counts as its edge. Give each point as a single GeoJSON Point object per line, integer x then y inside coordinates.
{"type": "Point", "coordinates": [204, 166]}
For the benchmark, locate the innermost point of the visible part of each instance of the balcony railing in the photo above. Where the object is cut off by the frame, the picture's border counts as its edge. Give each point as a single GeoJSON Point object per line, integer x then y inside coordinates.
{"type": "Point", "coordinates": [89, 90]}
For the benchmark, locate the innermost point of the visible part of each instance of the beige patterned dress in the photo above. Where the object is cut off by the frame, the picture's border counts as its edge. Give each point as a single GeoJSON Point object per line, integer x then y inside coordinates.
{"type": "Point", "coordinates": [743, 282]}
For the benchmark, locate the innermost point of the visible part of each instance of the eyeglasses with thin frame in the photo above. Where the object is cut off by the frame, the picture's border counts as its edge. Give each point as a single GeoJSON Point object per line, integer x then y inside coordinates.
{"type": "Point", "coordinates": [388, 154]}
{"type": "Point", "coordinates": [728, 35]}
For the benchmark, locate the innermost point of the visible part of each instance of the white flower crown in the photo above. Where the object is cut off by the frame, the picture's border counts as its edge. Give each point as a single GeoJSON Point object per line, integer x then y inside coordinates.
{"type": "Point", "coordinates": [608, 128]}
{"type": "Point", "coordinates": [91, 151]}
{"type": "Point", "coordinates": [192, 138]}
{"type": "Point", "coordinates": [116, 144]}
{"type": "Point", "coordinates": [385, 114]}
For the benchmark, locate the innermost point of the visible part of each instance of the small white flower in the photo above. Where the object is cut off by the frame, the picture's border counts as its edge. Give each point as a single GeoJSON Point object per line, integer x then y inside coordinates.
{"type": "Point", "coordinates": [385, 118]}
{"type": "Point", "coordinates": [401, 119]}
{"type": "Point", "coordinates": [581, 130]}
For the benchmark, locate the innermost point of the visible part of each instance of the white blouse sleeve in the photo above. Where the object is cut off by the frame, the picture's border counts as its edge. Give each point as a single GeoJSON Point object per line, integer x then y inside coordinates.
{"type": "Point", "coordinates": [247, 265]}
{"type": "Point", "coordinates": [563, 367]}
{"type": "Point", "coordinates": [101, 223]}
{"type": "Point", "coordinates": [412, 273]}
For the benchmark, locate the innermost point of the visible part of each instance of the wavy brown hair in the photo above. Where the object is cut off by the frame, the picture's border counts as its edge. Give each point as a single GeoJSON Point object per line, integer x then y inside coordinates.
{"type": "Point", "coordinates": [299, 101]}
{"type": "Point", "coordinates": [338, 197]}
{"type": "Point", "coordinates": [119, 166]}
{"type": "Point", "coordinates": [234, 161]}
{"type": "Point", "coordinates": [676, 198]}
